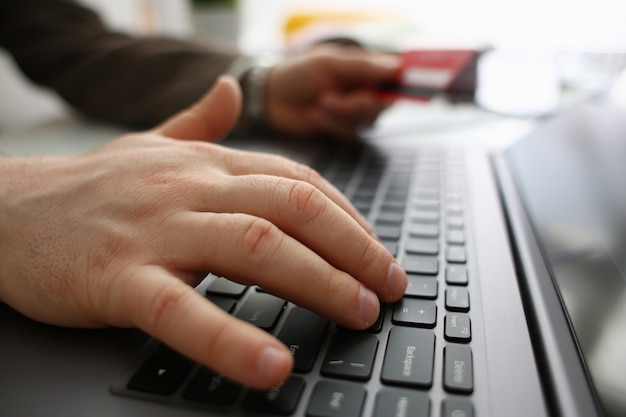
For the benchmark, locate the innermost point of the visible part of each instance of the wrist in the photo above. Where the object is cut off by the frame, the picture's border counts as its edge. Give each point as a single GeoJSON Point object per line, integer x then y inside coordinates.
{"type": "Point", "coordinates": [252, 74]}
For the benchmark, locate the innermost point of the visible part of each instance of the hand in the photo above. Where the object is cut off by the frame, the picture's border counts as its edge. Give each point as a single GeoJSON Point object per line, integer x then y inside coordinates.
{"type": "Point", "coordinates": [328, 90]}
{"type": "Point", "coordinates": [117, 236]}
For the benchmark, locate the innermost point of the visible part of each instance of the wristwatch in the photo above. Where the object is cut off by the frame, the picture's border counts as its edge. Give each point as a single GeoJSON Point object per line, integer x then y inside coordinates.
{"type": "Point", "coordinates": [252, 72]}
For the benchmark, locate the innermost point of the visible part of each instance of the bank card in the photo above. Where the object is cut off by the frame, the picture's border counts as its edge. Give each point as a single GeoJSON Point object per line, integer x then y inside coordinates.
{"type": "Point", "coordinates": [425, 73]}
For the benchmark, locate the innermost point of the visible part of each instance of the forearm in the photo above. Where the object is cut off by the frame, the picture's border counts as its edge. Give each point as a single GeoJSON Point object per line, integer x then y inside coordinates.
{"type": "Point", "coordinates": [105, 75]}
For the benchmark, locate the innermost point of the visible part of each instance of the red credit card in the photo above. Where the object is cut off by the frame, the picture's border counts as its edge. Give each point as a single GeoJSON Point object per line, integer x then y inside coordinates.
{"type": "Point", "coordinates": [425, 73]}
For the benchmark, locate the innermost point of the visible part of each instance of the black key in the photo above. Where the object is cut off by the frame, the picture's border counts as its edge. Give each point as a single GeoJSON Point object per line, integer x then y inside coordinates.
{"type": "Point", "coordinates": [336, 399]}
{"type": "Point", "coordinates": [418, 264]}
{"type": "Point", "coordinates": [401, 403]}
{"type": "Point", "coordinates": [409, 357]}
{"type": "Point", "coordinates": [457, 298]}
{"type": "Point", "coordinates": [210, 387]}
{"type": "Point", "coordinates": [415, 312]}
{"type": "Point", "coordinates": [456, 275]}
{"type": "Point", "coordinates": [458, 328]}
{"type": "Point", "coordinates": [455, 237]}
{"type": "Point", "coordinates": [456, 254]}
{"type": "Point", "coordinates": [223, 286]}
{"type": "Point", "coordinates": [262, 310]}
{"type": "Point", "coordinates": [282, 399]}
{"type": "Point", "coordinates": [422, 246]}
{"type": "Point", "coordinates": [350, 355]}
{"type": "Point", "coordinates": [457, 369]}
{"type": "Point", "coordinates": [456, 407]}
{"type": "Point", "coordinates": [226, 304]}
{"type": "Point", "coordinates": [423, 230]}
{"type": "Point", "coordinates": [160, 374]}
{"type": "Point", "coordinates": [302, 333]}
{"type": "Point", "coordinates": [421, 287]}
{"type": "Point", "coordinates": [388, 232]}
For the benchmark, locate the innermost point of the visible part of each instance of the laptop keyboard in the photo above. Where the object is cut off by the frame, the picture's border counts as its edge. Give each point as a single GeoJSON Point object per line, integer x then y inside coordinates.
{"type": "Point", "coordinates": [416, 360]}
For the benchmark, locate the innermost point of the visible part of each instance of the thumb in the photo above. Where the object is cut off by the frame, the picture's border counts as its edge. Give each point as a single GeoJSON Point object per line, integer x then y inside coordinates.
{"type": "Point", "coordinates": [210, 118]}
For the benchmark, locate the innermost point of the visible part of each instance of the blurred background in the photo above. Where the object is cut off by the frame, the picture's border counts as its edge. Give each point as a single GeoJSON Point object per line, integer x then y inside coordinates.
{"type": "Point", "coordinates": [538, 50]}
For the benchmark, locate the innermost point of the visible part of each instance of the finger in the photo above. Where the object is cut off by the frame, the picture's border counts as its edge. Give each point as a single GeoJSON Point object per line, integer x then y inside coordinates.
{"type": "Point", "coordinates": [252, 250]}
{"type": "Point", "coordinates": [246, 163]}
{"type": "Point", "coordinates": [361, 108]}
{"type": "Point", "coordinates": [209, 119]}
{"type": "Point", "coordinates": [361, 69]}
{"type": "Point", "coordinates": [305, 213]}
{"type": "Point", "coordinates": [180, 317]}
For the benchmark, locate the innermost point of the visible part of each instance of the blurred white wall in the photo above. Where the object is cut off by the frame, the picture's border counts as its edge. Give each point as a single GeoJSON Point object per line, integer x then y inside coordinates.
{"type": "Point", "coordinates": [510, 24]}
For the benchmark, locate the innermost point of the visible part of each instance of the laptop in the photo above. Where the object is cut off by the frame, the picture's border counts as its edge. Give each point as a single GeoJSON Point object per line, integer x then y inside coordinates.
{"type": "Point", "coordinates": [516, 304]}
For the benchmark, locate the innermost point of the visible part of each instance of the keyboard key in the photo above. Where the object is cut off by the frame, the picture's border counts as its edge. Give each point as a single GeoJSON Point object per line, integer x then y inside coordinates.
{"type": "Point", "coordinates": [455, 237]}
{"type": "Point", "coordinates": [455, 222]}
{"type": "Point", "coordinates": [421, 287]}
{"type": "Point", "coordinates": [388, 232]}
{"type": "Point", "coordinates": [390, 217]}
{"type": "Point", "coordinates": [415, 312]}
{"type": "Point", "coordinates": [458, 372]}
{"type": "Point", "coordinates": [457, 299]}
{"type": "Point", "coordinates": [423, 230]}
{"type": "Point", "coordinates": [456, 275]}
{"type": "Point", "coordinates": [458, 328]}
{"type": "Point", "coordinates": [391, 246]}
{"type": "Point", "coordinates": [417, 264]}
{"type": "Point", "coordinates": [210, 387]}
{"type": "Point", "coordinates": [421, 246]}
{"type": "Point", "coordinates": [223, 286]}
{"type": "Point", "coordinates": [350, 355]}
{"type": "Point", "coordinates": [401, 403]}
{"type": "Point", "coordinates": [282, 399]}
{"type": "Point", "coordinates": [160, 374]}
{"type": "Point", "coordinates": [409, 357]}
{"type": "Point", "coordinates": [456, 254]}
{"type": "Point", "coordinates": [456, 407]}
{"type": "Point", "coordinates": [226, 304]}
{"type": "Point", "coordinates": [302, 333]}
{"type": "Point", "coordinates": [426, 205]}
{"type": "Point", "coordinates": [336, 399]}
{"type": "Point", "coordinates": [425, 217]}
{"type": "Point", "coordinates": [262, 310]}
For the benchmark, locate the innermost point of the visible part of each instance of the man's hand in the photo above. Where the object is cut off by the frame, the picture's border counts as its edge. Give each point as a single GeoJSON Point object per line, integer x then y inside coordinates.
{"type": "Point", "coordinates": [118, 236]}
{"type": "Point", "coordinates": [328, 90]}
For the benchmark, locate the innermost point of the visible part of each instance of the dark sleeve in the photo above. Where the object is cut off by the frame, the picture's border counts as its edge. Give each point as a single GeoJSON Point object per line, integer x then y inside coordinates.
{"type": "Point", "coordinates": [106, 75]}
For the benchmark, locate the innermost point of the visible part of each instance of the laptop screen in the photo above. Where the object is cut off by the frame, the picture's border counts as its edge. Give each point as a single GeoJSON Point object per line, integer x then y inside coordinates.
{"type": "Point", "coordinates": [571, 178]}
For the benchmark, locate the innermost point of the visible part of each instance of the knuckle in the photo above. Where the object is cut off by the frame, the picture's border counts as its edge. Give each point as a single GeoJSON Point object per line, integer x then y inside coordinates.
{"type": "Point", "coordinates": [162, 307]}
{"type": "Point", "coordinates": [367, 258]}
{"type": "Point", "coordinates": [306, 201]}
{"type": "Point", "coordinates": [260, 237]}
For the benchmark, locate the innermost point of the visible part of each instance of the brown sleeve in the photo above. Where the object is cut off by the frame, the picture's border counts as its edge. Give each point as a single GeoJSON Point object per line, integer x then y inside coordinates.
{"type": "Point", "coordinates": [106, 75]}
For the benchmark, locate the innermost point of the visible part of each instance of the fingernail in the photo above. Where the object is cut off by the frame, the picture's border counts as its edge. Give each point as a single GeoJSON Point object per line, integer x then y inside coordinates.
{"type": "Point", "coordinates": [370, 307]}
{"type": "Point", "coordinates": [396, 281]}
{"type": "Point", "coordinates": [272, 362]}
